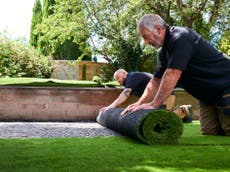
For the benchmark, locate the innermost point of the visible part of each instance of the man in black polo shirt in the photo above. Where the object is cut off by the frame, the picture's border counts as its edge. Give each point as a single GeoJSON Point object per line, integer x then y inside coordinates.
{"type": "Point", "coordinates": [185, 59]}
{"type": "Point", "coordinates": [134, 83]}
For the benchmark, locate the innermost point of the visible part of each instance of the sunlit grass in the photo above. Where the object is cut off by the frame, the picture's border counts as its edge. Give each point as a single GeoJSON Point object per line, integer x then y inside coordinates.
{"type": "Point", "coordinates": [194, 152]}
{"type": "Point", "coordinates": [53, 82]}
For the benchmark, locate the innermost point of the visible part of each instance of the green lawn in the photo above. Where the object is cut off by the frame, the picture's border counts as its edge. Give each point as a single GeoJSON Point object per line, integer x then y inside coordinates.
{"type": "Point", "coordinates": [53, 82]}
{"type": "Point", "coordinates": [193, 153]}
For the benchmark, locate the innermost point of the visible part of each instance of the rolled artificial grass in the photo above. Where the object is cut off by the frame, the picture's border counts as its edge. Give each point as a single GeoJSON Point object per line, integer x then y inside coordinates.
{"type": "Point", "coordinates": [148, 126]}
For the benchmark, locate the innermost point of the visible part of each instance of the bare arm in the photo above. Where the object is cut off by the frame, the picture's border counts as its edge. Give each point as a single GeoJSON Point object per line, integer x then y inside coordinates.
{"type": "Point", "coordinates": [161, 93]}
{"type": "Point", "coordinates": [147, 96]}
{"type": "Point", "coordinates": [122, 97]}
{"type": "Point", "coordinates": [119, 100]}
{"type": "Point", "coordinates": [168, 83]}
{"type": "Point", "coordinates": [150, 91]}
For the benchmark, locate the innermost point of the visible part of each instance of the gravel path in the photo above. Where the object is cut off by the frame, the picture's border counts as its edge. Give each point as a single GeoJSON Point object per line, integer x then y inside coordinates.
{"type": "Point", "coordinates": [53, 129]}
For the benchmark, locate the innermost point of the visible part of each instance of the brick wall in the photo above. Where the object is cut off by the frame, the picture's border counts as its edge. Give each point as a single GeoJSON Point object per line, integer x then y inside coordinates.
{"type": "Point", "coordinates": [53, 104]}
{"type": "Point", "coordinates": [66, 104]}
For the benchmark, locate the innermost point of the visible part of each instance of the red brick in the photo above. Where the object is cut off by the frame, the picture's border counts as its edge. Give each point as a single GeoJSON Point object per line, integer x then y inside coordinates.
{"type": "Point", "coordinates": [42, 99]}
{"type": "Point", "coordinates": [8, 91]}
{"type": "Point", "coordinates": [54, 103]}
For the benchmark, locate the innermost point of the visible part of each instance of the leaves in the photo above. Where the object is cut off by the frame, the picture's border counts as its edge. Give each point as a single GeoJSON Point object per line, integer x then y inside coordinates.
{"type": "Point", "coordinates": [64, 31]}
{"type": "Point", "coordinates": [108, 27]}
{"type": "Point", "coordinates": [17, 60]}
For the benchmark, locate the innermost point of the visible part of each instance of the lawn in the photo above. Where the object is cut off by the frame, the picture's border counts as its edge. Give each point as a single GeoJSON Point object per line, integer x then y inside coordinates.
{"type": "Point", "coordinates": [54, 82]}
{"type": "Point", "coordinates": [194, 152]}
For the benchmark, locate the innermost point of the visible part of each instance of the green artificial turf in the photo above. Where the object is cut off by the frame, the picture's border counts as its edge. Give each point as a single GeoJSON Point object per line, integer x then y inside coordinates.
{"type": "Point", "coordinates": [53, 82]}
{"type": "Point", "coordinates": [194, 152]}
{"type": "Point", "coordinates": [161, 127]}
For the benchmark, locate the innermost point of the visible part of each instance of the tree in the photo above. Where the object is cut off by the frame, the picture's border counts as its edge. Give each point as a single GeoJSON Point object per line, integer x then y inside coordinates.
{"type": "Point", "coordinates": [113, 26]}
{"type": "Point", "coordinates": [36, 19]}
{"type": "Point", "coordinates": [48, 7]}
{"type": "Point", "coordinates": [113, 32]}
{"type": "Point", "coordinates": [110, 27]}
{"type": "Point", "coordinates": [61, 36]}
{"type": "Point", "coordinates": [199, 15]}
{"type": "Point", "coordinates": [224, 43]}
{"type": "Point", "coordinates": [19, 60]}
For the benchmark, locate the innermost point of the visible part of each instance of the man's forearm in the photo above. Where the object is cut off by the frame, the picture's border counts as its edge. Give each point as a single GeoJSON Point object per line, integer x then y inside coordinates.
{"type": "Point", "coordinates": [168, 83]}
{"type": "Point", "coordinates": [122, 98]}
{"type": "Point", "coordinates": [150, 91]}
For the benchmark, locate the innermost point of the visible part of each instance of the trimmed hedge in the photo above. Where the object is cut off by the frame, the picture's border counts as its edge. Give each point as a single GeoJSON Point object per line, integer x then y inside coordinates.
{"type": "Point", "coordinates": [19, 60]}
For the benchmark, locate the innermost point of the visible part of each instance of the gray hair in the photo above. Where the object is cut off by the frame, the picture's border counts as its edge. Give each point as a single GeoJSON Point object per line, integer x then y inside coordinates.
{"type": "Point", "coordinates": [150, 21]}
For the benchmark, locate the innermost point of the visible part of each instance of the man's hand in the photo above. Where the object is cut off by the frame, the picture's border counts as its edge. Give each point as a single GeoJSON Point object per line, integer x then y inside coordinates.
{"type": "Point", "coordinates": [104, 109]}
{"type": "Point", "coordinates": [135, 107]}
{"type": "Point", "coordinates": [129, 108]}
{"type": "Point", "coordinates": [143, 106]}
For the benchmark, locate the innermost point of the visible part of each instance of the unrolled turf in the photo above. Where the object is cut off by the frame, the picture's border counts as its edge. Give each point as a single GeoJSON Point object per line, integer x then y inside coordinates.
{"type": "Point", "coordinates": [148, 126]}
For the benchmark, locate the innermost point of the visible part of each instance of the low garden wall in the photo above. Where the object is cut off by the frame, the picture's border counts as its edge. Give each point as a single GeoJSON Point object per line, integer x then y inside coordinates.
{"type": "Point", "coordinates": [30, 103]}
{"type": "Point", "coordinates": [54, 104]}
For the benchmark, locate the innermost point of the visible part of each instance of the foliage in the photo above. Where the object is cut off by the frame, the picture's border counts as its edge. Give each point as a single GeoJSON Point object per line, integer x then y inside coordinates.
{"type": "Point", "coordinates": [106, 72]}
{"type": "Point", "coordinates": [97, 79]}
{"type": "Point", "coordinates": [110, 28]}
{"type": "Point", "coordinates": [113, 27]}
{"type": "Point", "coordinates": [201, 16]}
{"type": "Point", "coordinates": [36, 19]}
{"type": "Point", "coordinates": [113, 35]}
{"type": "Point", "coordinates": [18, 60]}
{"type": "Point", "coordinates": [224, 43]}
{"type": "Point", "coordinates": [148, 59]}
{"type": "Point", "coordinates": [48, 7]}
{"type": "Point", "coordinates": [67, 51]}
{"type": "Point", "coordinates": [61, 36]}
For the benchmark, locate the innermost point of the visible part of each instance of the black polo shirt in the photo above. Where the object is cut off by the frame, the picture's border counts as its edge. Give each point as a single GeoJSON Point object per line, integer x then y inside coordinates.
{"type": "Point", "coordinates": [137, 81]}
{"type": "Point", "coordinates": [206, 71]}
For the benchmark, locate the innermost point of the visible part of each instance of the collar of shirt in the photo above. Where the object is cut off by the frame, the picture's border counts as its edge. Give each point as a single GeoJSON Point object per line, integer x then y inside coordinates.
{"type": "Point", "coordinates": [167, 36]}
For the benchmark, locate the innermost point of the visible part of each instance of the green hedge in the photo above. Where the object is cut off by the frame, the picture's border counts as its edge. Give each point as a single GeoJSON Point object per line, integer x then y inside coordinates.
{"type": "Point", "coordinates": [19, 60]}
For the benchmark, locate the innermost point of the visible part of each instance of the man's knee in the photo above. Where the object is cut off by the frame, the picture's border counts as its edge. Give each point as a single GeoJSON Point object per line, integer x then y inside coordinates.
{"type": "Point", "coordinates": [209, 120]}
{"type": "Point", "coordinates": [212, 130]}
{"type": "Point", "coordinates": [225, 123]}
{"type": "Point", "coordinates": [225, 112]}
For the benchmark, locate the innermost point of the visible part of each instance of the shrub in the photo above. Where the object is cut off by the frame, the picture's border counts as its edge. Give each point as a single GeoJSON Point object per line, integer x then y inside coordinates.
{"type": "Point", "coordinates": [224, 43]}
{"type": "Point", "coordinates": [19, 60]}
{"type": "Point", "coordinates": [97, 79]}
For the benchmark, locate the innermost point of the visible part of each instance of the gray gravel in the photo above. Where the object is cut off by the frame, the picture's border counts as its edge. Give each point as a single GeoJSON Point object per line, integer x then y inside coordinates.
{"type": "Point", "coordinates": [53, 129]}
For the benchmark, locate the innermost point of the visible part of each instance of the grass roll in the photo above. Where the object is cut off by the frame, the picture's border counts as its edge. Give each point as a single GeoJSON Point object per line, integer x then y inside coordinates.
{"type": "Point", "coordinates": [149, 126]}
